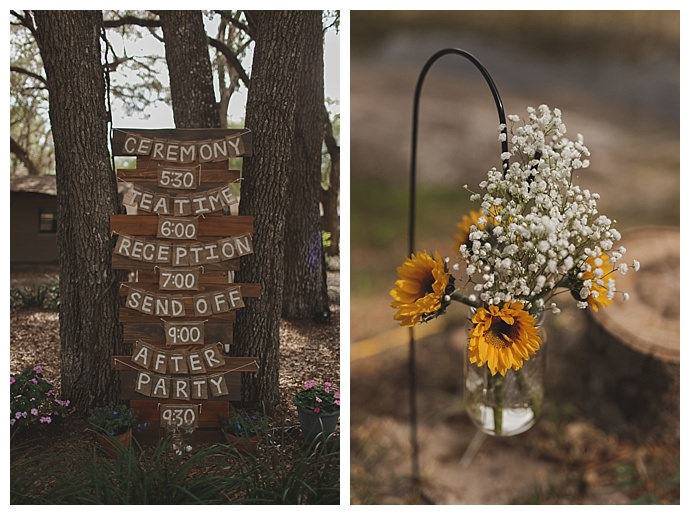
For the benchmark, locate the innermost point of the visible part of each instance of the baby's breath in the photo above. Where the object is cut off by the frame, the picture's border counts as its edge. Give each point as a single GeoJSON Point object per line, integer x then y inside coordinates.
{"type": "Point", "coordinates": [538, 228]}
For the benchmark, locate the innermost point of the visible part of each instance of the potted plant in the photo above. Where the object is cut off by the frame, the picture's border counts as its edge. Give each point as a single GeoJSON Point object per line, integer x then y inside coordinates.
{"type": "Point", "coordinates": [243, 429]}
{"type": "Point", "coordinates": [318, 407]}
{"type": "Point", "coordinates": [113, 424]}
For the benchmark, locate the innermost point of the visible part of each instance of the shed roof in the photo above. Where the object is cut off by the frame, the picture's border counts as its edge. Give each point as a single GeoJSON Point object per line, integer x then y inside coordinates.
{"type": "Point", "coordinates": [34, 184]}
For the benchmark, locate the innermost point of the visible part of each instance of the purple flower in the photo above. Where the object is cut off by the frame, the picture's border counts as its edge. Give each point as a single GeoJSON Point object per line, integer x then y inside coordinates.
{"type": "Point", "coordinates": [46, 420]}
{"type": "Point", "coordinates": [18, 415]}
{"type": "Point", "coordinates": [38, 369]}
{"type": "Point", "coordinates": [337, 402]}
{"type": "Point", "coordinates": [34, 381]}
{"type": "Point", "coordinates": [34, 412]}
{"type": "Point", "coordinates": [12, 380]}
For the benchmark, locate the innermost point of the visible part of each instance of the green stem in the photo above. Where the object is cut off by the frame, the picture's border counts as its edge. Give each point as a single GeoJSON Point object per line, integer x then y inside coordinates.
{"type": "Point", "coordinates": [498, 384]}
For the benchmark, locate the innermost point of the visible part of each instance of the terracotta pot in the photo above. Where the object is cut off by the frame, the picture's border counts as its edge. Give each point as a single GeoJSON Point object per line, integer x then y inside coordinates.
{"type": "Point", "coordinates": [244, 444]}
{"type": "Point", "coordinates": [108, 442]}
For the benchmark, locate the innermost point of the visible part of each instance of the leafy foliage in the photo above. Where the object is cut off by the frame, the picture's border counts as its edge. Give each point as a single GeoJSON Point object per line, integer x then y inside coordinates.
{"type": "Point", "coordinates": [33, 400]}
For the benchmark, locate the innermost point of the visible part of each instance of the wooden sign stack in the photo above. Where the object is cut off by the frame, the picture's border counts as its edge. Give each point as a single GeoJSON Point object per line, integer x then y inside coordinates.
{"type": "Point", "coordinates": [181, 244]}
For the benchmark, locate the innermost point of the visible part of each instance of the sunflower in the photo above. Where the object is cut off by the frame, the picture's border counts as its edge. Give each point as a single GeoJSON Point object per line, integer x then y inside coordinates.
{"type": "Point", "coordinates": [600, 300]}
{"type": "Point", "coordinates": [503, 337]}
{"type": "Point", "coordinates": [463, 228]}
{"type": "Point", "coordinates": [421, 292]}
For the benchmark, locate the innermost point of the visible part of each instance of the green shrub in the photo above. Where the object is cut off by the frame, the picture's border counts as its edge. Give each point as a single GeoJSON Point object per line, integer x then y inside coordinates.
{"type": "Point", "coordinates": [45, 295]}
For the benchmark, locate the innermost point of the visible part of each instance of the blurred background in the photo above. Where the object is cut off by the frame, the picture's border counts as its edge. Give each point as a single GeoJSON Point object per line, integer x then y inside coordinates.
{"type": "Point", "coordinates": [615, 77]}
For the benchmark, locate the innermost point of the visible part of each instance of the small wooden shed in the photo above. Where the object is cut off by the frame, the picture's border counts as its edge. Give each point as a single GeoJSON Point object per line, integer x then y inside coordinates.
{"type": "Point", "coordinates": [33, 220]}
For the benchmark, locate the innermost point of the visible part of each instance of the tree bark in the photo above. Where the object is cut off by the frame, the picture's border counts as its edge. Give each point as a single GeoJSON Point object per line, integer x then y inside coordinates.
{"type": "Point", "coordinates": [271, 111]}
{"type": "Point", "coordinates": [189, 66]}
{"type": "Point", "coordinates": [86, 197]}
{"type": "Point", "coordinates": [305, 266]}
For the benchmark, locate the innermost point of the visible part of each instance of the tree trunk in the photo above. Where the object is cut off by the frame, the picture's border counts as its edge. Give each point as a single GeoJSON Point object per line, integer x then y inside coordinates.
{"type": "Point", "coordinates": [305, 266]}
{"type": "Point", "coordinates": [271, 110]}
{"type": "Point", "coordinates": [189, 66]}
{"type": "Point", "coordinates": [330, 197]}
{"type": "Point", "coordinates": [86, 197]}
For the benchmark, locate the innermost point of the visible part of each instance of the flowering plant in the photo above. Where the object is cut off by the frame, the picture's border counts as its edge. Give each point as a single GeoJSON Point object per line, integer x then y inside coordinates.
{"type": "Point", "coordinates": [33, 399]}
{"type": "Point", "coordinates": [318, 398]}
{"type": "Point", "coordinates": [534, 235]}
{"type": "Point", "coordinates": [113, 419]}
{"type": "Point", "coordinates": [244, 423]}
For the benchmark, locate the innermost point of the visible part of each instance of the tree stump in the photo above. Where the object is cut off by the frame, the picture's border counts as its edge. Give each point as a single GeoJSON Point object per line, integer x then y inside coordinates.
{"type": "Point", "coordinates": [633, 372]}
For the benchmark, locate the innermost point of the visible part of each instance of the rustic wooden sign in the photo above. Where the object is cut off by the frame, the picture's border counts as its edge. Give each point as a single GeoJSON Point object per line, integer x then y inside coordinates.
{"type": "Point", "coordinates": [183, 254]}
{"type": "Point", "coordinates": [179, 279]}
{"type": "Point", "coordinates": [161, 305]}
{"type": "Point", "coordinates": [179, 415]}
{"type": "Point", "coordinates": [198, 361]}
{"type": "Point", "coordinates": [181, 387]}
{"type": "Point", "coordinates": [179, 178]}
{"type": "Point", "coordinates": [216, 149]}
{"type": "Point", "coordinates": [184, 204]}
{"type": "Point", "coordinates": [183, 248]}
{"type": "Point", "coordinates": [177, 228]}
{"type": "Point", "coordinates": [183, 333]}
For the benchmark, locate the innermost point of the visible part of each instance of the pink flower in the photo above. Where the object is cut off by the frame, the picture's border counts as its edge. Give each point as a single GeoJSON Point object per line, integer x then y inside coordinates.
{"type": "Point", "coordinates": [317, 410]}
{"type": "Point", "coordinates": [34, 381]}
{"type": "Point", "coordinates": [337, 394]}
{"type": "Point", "coordinates": [18, 415]}
{"type": "Point", "coordinates": [337, 402]}
{"type": "Point", "coordinates": [38, 369]}
{"type": "Point", "coordinates": [12, 380]}
{"type": "Point", "coordinates": [318, 399]}
{"type": "Point", "coordinates": [34, 411]}
{"type": "Point", "coordinates": [46, 420]}
{"type": "Point", "coordinates": [308, 385]}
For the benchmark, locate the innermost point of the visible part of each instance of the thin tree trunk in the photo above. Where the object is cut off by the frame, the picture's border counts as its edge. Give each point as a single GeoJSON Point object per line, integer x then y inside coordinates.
{"type": "Point", "coordinates": [330, 197]}
{"type": "Point", "coordinates": [305, 266]}
{"type": "Point", "coordinates": [271, 111]}
{"type": "Point", "coordinates": [189, 66]}
{"type": "Point", "coordinates": [86, 196]}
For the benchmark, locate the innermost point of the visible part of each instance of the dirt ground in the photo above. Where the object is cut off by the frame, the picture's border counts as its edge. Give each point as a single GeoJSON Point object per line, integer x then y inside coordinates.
{"type": "Point", "coordinates": [309, 350]}
{"type": "Point", "coordinates": [622, 95]}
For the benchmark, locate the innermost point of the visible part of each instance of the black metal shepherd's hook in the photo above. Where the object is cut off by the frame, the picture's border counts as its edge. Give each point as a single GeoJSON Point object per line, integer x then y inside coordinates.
{"type": "Point", "coordinates": [411, 233]}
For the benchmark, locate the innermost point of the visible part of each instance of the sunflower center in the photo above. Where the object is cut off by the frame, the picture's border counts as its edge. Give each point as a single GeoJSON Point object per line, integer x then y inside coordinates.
{"type": "Point", "coordinates": [427, 284]}
{"type": "Point", "coordinates": [501, 335]}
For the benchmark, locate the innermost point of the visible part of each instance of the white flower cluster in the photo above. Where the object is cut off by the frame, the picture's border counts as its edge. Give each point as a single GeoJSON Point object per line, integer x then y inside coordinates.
{"type": "Point", "coordinates": [538, 228]}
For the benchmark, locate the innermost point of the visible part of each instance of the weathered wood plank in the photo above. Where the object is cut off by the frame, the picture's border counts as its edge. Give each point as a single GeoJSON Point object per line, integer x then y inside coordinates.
{"type": "Point", "coordinates": [218, 226]}
{"type": "Point", "coordinates": [153, 332]}
{"type": "Point", "coordinates": [149, 178]}
{"type": "Point", "coordinates": [209, 414]}
{"type": "Point", "coordinates": [251, 290]}
{"type": "Point", "coordinates": [128, 316]}
{"type": "Point", "coordinates": [212, 270]}
{"type": "Point", "coordinates": [232, 364]}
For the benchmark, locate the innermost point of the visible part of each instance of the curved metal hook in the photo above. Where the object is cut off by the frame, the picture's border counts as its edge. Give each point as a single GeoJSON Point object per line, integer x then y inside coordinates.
{"type": "Point", "coordinates": [411, 233]}
{"type": "Point", "coordinates": [415, 123]}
